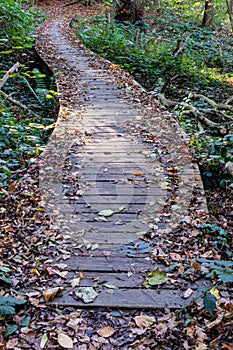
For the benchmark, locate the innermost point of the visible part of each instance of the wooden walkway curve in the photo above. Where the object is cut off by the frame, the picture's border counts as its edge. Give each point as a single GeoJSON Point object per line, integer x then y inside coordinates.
{"type": "Point", "coordinates": [104, 186]}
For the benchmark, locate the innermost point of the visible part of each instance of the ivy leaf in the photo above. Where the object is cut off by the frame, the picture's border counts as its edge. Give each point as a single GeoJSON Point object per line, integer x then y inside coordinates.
{"type": "Point", "coordinates": [10, 330]}
{"type": "Point", "coordinates": [5, 280]}
{"type": "Point", "coordinates": [7, 310]}
{"type": "Point", "coordinates": [156, 277]}
{"type": "Point", "coordinates": [6, 170]}
{"type": "Point", "coordinates": [25, 321]}
{"type": "Point", "coordinates": [210, 303]}
{"type": "Point", "coordinates": [12, 301]}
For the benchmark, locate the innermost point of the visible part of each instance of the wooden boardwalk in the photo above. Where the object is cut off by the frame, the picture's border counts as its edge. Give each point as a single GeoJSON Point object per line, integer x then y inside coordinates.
{"type": "Point", "coordinates": [108, 189]}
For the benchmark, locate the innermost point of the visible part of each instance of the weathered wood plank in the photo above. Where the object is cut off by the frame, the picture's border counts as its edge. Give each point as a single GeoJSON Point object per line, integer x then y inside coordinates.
{"type": "Point", "coordinates": [133, 298]}
{"type": "Point", "coordinates": [109, 264]}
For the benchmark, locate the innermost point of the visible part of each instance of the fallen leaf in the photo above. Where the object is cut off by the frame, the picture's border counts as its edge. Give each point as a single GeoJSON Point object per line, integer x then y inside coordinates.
{"type": "Point", "coordinates": [106, 213]}
{"type": "Point", "coordinates": [164, 185]}
{"type": "Point", "coordinates": [12, 343]}
{"type": "Point", "coordinates": [82, 275]}
{"type": "Point", "coordinates": [156, 277]}
{"type": "Point", "coordinates": [144, 321]}
{"type": "Point", "coordinates": [210, 303]}
{"type": "Point", "coordinates": [75, 282]}
{"type": "Point", "coordinates": [43, 341]}
{"type": "Point", "coordinates": [139, 173]}
{"type": "Point", "coordinates": [110, 285]}
{"type": "Point", "coordinates": [65, 341]}
{"type": "Point", "coordinates": [176, 257]}
{"type": "Point", "coordinates": [201, 346]}
{"type": "Point", "coordinates": [227, 347]}
{"type": "Point", "coordinates": [50, 293]}
{"type": "Point", "coordinates": [214, 291]}
{"type": "Point", "coordinates": [106, 332]}
{"type": "Point", "coordinates": [86, 294]}
{"type": "Point", "coordinates": [161, 328]}
{"type": "Point", "coordinates": [196, 266]}
{"type": "Point", "coordinates": [187, 293]}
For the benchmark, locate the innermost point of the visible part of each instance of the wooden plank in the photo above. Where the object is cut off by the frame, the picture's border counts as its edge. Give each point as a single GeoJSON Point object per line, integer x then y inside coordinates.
{"type": "Point", "coordinates": [83, 208]}
{"type": "Point", "coordinates": [130, 298]}
{"type": "Point", "coordinates": [109, 264]}
{"type": "Point", "coordinates": [123, 280]}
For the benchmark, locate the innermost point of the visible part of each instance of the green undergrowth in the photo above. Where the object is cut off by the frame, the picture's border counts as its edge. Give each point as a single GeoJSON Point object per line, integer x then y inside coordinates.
{"type": "Point", "coordinates": [25, 129]}
{"type": "Point", "coordinates": [148, 51]}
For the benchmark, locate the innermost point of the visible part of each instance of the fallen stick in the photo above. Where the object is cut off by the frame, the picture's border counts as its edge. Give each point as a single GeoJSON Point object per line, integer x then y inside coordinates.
{"type": "Point", "coordinates": [219, 106]}
{"type": "Point", "coordinates": [198, 115]}
{"type": "Point", "coordinates": [21, 105]}
{"type": "Point", "coordinates": [8, 73]}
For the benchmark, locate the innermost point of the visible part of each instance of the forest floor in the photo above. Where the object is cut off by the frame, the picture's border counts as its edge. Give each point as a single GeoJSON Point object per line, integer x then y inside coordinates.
{"type": "Point", "coordinates": [31, 247]}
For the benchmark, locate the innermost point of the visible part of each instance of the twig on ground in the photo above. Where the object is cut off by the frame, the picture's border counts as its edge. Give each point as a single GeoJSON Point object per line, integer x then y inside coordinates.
{"type": "Point", "coordinates": [17, 103]}
{"type": "Point", "coordinates": [198, 115]}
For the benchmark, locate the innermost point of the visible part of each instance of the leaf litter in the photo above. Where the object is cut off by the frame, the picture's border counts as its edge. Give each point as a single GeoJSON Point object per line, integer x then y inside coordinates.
{"type": "Point", "coordinates": [28, 251]}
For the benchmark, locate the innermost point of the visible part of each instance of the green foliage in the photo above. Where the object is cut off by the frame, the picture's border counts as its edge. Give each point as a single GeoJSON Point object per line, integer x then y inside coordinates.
{"type": "Point", "coordinates": [222, 270]}
{"type": "Point", "coordinates": [41, 88]}
{"type": "Point", "coordinates": [20, 142]}
{"type": "Point", "coordinates": [222, 238]}
{"type": "Point", "coordinates": [210, 303]}
{"type": "Point", "coordinates": [8, 305]}
{"type": "Point", "coordinates": [205, 65]}
{"type": "Point", "coordinates": [16, 26]}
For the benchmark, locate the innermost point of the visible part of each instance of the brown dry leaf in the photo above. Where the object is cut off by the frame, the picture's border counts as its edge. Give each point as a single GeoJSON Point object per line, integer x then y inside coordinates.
{"type": "Point", "coordinates": [196, 266]}
{"type": "Point", "coordinates": [65, 341]}
{"type": "Point", "coordinates": [12, 343]}
{"type": "Point", "coordinates": [106, 332]}
{"type": "Point", "coordinates": [161, 328]}
{"type": "Point", "coordinates": [190, 331]}
{"type": "Point", "coordinates": [176, 257]}
{"type": "Point", "coordinates": [201, 346]}
{"type": "Point", "coordinates": [144, 321]}
{"type": "Point", "coordinates": [138, 173]}
{"type": "Point", "coordinates": [50, 293]}
{"type": "Point", "coordinates": [75, 282]}
{"type": "Point", "coordinates": [227, 347]}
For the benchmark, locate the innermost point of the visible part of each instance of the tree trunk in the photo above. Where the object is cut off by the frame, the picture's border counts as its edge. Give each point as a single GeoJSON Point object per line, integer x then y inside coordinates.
{"type": "Point", "coordinates": [208, 14]}
{"type": "Point", "coordinates": [230, 12]}
{"type": "Point", "coordinates": [129, 10]}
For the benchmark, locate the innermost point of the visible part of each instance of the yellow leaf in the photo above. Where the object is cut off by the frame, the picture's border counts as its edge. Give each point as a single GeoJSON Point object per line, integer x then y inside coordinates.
{"type": "Point", "coordinates": [164, 185]}
{"type": "Point", "coordinates": [65, 341]}
{"type": "Point", "coordinates": [50, 293]}
{"type": "Point", "coordinates": [144, 321]}
{"type": "Point", "coordinates": [82, 275]}
{"type": "Point", "coordinates": [214, 291]}
{"type": "Point", "coordinates": [106, 332]}
{"type": "Point", "coordinates": [35, 271]}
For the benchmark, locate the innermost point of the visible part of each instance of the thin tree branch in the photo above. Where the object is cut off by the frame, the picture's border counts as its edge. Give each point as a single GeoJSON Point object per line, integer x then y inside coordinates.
{"type": "Point", "coordinates": [8, 73]}
{"type": "Point", "coordinates": [182, 47]}
{"type": "Point", "coordinates": [219, 106]}
{"type": "Point", "coordinates": [17, 103]}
